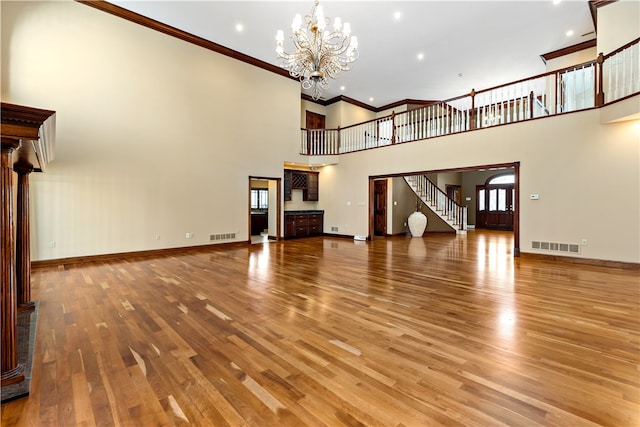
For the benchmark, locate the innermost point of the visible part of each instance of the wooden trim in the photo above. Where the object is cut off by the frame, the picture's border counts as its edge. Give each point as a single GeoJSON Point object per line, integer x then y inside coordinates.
{"type": "Point", "coordinates": [128, 15]}
{"type": "Point", "coordinates": [582, 261]}
{"type": "Point", "coordinates": [367, 106]}
{"type": "Point", "coordinates": [406, 102]}
{"type": "Point", "coordinates": [339, 236]}
{"type": "Point", "coordinates": [460, 169]}
{"type": "Point", "coordinates": [22, 122]}
{"type": "Point", "coordinates": [338, 99]}
{"type": "Point", "coordinates": [371, 233]}
{"type": "Point", "coordinates": [516, 215]}
{"type": "Point", "coordinates": [568, 50]}
{"type": "Point", "coordinates": [61, 262]}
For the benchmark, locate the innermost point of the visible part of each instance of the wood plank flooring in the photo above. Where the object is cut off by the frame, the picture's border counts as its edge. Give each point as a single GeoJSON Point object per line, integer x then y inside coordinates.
{"type": "Point", "coordinates": [444, 330]}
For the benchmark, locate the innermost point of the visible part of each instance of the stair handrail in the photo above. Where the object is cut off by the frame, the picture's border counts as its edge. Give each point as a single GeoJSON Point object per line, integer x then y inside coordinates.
{"type": "Point", "coordinates": [438, 200]}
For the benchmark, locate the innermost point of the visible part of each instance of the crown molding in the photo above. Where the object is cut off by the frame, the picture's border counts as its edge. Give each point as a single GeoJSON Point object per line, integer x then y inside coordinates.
{"type": "Point", "coordinates": [568, 50]}
{"type": "Point", "coordinates": [342, 98]}
{"type": "Point", "coordinates": [120, 12]}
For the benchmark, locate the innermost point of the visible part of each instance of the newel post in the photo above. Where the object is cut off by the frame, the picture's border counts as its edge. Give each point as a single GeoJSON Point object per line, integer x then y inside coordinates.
{"type": "Point", "coordinates": [393, 127]}
{"type": "Point", "coordinates": [600, 84]}
{"type": "Point", "coordinates": [472, 118]}
{"type": "Point", "coordinates": [339, 142]}
{"type": "Point", "coordinates": [531, 96]}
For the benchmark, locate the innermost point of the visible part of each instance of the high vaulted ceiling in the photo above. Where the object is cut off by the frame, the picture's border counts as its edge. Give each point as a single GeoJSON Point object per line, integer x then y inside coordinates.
{"type": "Point", "coordinates": [466, 44]}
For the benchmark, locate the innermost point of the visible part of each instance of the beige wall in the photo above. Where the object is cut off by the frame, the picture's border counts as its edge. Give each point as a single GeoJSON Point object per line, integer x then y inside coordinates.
{"type": "Point", "coordinates": [338, 114]}
{"type": "Point", "coordinates": [618, 24]}
{"type": "Point", "coordinates": [155, 136]}
{"type": "Point", "coordinates": [580, 57]}
{"type": "Point", "coordinates": [388, 112]}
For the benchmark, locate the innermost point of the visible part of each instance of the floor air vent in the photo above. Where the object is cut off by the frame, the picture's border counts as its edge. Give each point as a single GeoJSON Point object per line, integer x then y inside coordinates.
{"type": "Point", "coordinates": [556, 247]}
{"type": "Point", "coordinates": [222, 236]}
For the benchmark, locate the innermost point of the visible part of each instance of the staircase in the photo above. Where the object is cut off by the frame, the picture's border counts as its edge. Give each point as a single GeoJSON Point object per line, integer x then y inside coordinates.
{"type": "Point", "coordinates": [439, 203]}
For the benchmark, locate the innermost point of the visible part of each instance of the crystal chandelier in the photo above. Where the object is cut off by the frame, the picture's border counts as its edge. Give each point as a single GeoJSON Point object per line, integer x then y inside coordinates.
{"type": "Point", "coordinates": [320, 52]}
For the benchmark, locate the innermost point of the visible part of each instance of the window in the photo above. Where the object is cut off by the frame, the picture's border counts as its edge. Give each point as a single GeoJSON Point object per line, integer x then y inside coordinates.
{"type": "Point", "coordinates": [503, 179]}
{"type": "Point", "coordinates": [260, 199]}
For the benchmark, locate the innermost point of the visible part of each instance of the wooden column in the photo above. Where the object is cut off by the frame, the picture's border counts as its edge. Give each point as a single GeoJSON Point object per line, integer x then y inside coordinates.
{"type": "Point", "coordinates": [26, 148]}
{"type": "Point", "coordinates": [23, 238]}
{"type": "Point", "coordinates": [12, 372]}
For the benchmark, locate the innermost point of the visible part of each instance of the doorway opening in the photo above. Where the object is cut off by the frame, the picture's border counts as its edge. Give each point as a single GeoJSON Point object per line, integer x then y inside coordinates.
{"type": "Point", "coordinates": [500, 199]}
{"type": "Point", "coordinates": [264, 209]}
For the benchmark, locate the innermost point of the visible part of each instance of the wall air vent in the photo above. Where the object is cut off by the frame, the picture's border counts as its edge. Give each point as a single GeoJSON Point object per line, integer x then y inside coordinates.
{"type": "Point", "coordinates": [222, 236]}
{"type": "Point", "coordinates": [555, 247]}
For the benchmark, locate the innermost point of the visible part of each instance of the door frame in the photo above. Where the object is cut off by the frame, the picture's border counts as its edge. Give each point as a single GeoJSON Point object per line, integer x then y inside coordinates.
{"type": "Point", "coordinates": [516, 202]}
{"type": "Point", "coordinates": [278, 209]}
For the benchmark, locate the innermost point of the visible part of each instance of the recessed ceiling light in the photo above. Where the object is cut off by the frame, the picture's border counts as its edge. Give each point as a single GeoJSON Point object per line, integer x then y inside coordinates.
{"type": "Point", "coordinates": [342, 88]}
{"type": "Point", "coordinates": [420, 56]}
{"type": "Point", "coordinates": [397, 15]}
{"type": "Point", "coordinates": [569, 33]}
{"type": "Point", "coordinates": [239, 28]}
{"type": "Point", "coordinates": [370, 99]}
{"type": "Point", "coordinates": [556, 1]}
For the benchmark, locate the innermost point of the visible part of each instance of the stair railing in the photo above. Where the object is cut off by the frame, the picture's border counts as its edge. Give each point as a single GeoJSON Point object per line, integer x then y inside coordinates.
{"type": "Point", "coordinates": [438, 200]}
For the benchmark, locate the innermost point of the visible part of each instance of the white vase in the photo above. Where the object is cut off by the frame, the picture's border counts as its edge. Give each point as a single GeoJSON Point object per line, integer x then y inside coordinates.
{"type": "Point", "coordinates": [417, 224]}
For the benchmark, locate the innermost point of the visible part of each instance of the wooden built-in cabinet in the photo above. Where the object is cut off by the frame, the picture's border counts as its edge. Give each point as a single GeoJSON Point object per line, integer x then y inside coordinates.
{"type": "Point", "coordinates": [307, 181]}
{"type": "Point", "coordinates": [303, 224]}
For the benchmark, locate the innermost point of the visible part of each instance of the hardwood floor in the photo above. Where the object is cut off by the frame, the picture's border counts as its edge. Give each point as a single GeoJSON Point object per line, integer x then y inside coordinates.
{"type": "Point", "coordinates": [445, 330]}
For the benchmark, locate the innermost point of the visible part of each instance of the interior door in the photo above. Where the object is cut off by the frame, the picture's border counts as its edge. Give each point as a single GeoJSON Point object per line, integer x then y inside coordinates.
{"type": "Point", "coordinates": [454, 192]}
{"type": "Point", "coordinates": [315, 140]}
{"type": "Point", "coordinates": [495, 206]}
{"type": "Point", "coordinates": [380, 207]}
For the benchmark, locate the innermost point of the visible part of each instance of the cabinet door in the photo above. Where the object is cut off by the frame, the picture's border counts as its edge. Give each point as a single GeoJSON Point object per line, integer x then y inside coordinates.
{"type": "Point", "coordinates": [289, 226]}
{"type": "Point", "coordinates": [311, 193]}
{"type": "Point", "coordinates": [287, 185]}
{"type": "Point", "coordinates": [315, 225]}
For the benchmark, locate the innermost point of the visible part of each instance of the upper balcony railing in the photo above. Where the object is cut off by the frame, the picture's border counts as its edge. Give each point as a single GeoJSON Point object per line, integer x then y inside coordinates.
{"type": "Point", "coordinates": [589, 85]}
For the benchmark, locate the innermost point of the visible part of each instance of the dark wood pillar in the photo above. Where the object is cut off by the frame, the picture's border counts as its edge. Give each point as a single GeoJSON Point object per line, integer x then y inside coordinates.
{"type": "Point", "coordinates": [22, 129]}
{"type": "Point", "coordinates": [516, 217]}
{"type": "Point", "coordinates": [23, 238]}
{"type": "Point", "coordinates": [12, 372]}
{"type": "Point", "coordinates": [600, 81]}
{"type": "Point", "coordinates": [472, 118]}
